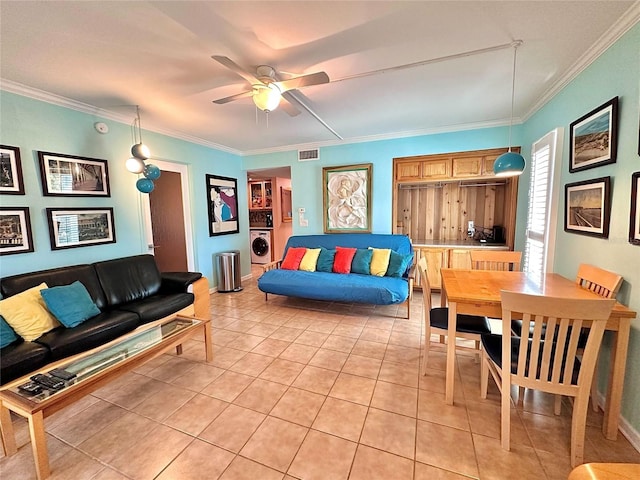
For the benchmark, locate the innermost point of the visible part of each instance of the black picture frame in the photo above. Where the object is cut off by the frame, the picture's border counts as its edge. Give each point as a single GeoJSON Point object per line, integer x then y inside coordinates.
{"type": "Point", "coordinates": [634, 212]}
{"type": "Point", "coordinates": [80, 227]}
{"type": "Point", "coordinates": [11, 181]}
{"type": "Point", "coordinates": [588, 207]}
{"type": "Point", "coordinates": [593, 138]}
{"type": "Point", "coordinates": [15, 231]}
{"type": "Point", "coordinates": [72, 176]}
{"type": "Point", "coordinates": [222, 205]}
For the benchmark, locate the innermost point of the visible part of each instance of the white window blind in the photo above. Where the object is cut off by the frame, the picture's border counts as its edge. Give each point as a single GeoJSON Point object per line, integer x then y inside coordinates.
{"type": "Point", "coordinates": [542, 215]}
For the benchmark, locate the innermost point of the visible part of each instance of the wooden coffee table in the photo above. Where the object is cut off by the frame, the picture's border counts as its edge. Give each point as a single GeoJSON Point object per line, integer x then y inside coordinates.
{"type": "Point", "coordinates": [94, 369]}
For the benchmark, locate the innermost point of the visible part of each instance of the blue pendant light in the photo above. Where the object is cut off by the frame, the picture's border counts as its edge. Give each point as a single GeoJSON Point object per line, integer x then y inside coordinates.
{"type": "Point", "coordinates": [511, 163]}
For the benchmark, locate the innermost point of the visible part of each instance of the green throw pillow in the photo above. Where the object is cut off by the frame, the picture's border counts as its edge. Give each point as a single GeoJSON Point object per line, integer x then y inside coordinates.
{"type": "Point", "coordinates": [70, 304]}
{"type": "Point", "coordinates": [325, 260]}
{"type": "Point", "coordinates": [398, 264]}
{"type": "Point", "coordinates": [7, 335]}
{"type": "Point", "coordinates": [361, 262]}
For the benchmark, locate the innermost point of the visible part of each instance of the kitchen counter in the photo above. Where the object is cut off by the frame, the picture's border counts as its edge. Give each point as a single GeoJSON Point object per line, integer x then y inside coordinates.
{"type": "Point", "coordinates": [458, 244]}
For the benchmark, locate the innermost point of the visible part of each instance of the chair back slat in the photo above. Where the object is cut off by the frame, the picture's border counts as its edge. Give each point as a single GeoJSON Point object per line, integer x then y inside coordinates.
{"type": "Point", "coordinates": [600, 281]}
{"type": "Point", "coordinates": [495, 260]}
{"type": "Point", "coordinates": [424, 282]}
{"type": "Point", "coordinates": [547, 358]}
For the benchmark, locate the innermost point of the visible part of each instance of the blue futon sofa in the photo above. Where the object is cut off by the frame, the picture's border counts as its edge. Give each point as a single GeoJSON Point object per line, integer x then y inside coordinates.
{"type": "Point", "coordinates": [351, 287]}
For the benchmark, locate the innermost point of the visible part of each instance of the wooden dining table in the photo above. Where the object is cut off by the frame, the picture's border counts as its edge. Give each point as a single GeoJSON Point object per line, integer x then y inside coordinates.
{"type": "Point", "coordinates": [477, 292]}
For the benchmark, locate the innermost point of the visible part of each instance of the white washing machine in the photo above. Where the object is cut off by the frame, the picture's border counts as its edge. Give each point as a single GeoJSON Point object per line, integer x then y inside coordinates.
{"type": "Point", "coordinates": [260, 246]}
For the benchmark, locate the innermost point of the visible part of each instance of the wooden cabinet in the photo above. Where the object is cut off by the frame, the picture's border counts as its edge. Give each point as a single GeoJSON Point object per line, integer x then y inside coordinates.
{"type": "Point", "coordinates": [467, 167]}
{"type": "Point", "coordinates": [436, 169]}
{"type": "Point", "coordinates": [408, 171]}
{"type": "Point", "coordinates": [260, 194]}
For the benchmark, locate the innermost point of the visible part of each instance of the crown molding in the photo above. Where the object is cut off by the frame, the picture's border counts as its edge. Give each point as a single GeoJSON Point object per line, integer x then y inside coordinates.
{"type": "Point", "coordinates": [52, 98]}
{"type": "Point", "coordinates": [627, 21]}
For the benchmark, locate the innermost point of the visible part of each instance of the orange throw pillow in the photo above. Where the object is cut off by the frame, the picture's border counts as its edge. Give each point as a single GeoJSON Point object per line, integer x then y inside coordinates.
{"type": "Point", "coordinates": [343, 258]}
{"type": "Point", "coordinates": [293, 258]}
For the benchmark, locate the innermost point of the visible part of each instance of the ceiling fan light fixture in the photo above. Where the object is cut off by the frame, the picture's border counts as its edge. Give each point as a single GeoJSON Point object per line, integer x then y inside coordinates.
{"type": "Point", "coordinates": [267, 97]}
{"type": "Point", "coordinates": [510, 164]}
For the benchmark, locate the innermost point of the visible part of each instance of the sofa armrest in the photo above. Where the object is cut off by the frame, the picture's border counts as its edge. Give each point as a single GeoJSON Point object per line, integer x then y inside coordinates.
{"type": "Point", "coordinates": [271, 266]}
{"type": "Point", "coordinates": [178, 281]}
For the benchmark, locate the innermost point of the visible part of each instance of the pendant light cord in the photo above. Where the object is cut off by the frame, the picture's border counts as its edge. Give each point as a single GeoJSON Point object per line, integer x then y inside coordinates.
{"type": "Point", "coordinates": [515, 45]}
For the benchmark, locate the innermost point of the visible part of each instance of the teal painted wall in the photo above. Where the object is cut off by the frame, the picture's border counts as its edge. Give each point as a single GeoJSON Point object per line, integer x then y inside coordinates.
{"type": "Point", "coordinates": [614, 73]}
{"type": "Point", "coordinates": [34, 125]}
{"type": "Point", "coordinates": [306, 177]}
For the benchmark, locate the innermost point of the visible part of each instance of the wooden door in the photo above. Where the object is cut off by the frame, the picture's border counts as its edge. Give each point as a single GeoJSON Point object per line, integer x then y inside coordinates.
{"type": "Point", "coordinates": [167, 223]}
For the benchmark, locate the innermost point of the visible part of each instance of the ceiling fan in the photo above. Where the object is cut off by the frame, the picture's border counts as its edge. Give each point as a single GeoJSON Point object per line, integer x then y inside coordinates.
{"type": "Point", "coordinates": [266, 88]}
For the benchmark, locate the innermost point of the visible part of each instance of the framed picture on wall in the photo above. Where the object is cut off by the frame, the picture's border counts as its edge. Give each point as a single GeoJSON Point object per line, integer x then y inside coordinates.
{"type": "Point", "coordinates": [346, 200]}
{"type": "Point", "coordinates": [593, 138]}
{"type": "Point", "coordinates": [80, 227]}
{"type": "Point", "coordinates": [71, 176]}
{"type": "Point", "coordinates": [222, 205]}
{"type": "Point", "coordinates": [588, 207]}
{"type": "Point", "coordinates": [634, 216]}
{"type": "Point", "coordinates": [11, 182]}
{"type": "Point", "coordinates": [15, 231]}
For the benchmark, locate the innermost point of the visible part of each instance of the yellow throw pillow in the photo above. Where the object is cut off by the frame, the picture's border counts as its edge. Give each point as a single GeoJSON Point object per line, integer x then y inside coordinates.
{"type": "Point", "coordinates": [380, 261]}
{"type": "Point", "coordinates": [27, 313]}
{"type": "Point", "coordinates": [310, 259]}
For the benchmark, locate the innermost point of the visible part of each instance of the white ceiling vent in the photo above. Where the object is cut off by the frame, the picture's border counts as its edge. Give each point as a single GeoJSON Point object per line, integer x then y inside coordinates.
{"type": "Point", "coordinates": [308, 155]}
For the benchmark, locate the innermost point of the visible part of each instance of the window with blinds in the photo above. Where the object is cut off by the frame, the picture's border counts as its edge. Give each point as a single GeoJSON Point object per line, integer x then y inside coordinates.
{"type": "Point", "coordinates": [543, 203]}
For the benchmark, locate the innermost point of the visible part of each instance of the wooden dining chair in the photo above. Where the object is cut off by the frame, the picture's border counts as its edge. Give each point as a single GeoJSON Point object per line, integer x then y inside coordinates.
{"type": "Point", "coordinates": [606, 284]}
{"type": "Point", "coordinates": [546, 361]}
{"type": "Point", "coordinates": [436, 320]}
{"type": "Point", "coordinates": [495, 260]}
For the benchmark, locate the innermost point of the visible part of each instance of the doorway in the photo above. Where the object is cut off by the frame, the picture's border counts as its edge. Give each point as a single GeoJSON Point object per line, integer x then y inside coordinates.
{"type": "Point", "coordinates": [167, 213]}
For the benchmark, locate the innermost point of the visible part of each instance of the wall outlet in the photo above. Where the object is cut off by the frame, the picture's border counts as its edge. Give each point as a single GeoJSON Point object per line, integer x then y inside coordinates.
{"type": "Point", "coordinates": [470, 229]}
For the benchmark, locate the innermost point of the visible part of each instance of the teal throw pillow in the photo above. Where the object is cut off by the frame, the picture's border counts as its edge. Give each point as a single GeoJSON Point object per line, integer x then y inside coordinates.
{"type": "Point", "coordinates": [362, 261]}
{"type": "Point", "coordinates": [398, 264]}
{"type": "Point", "coordinates": [7, 335]}
{"type": "Point", "coordinates": [325, 260]}
{"type": "Point", "coordinates": [70, 304]}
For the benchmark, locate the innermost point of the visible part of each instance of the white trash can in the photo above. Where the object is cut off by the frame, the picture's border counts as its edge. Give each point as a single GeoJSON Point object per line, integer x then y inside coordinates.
{"type": "Point", "coordinates": [228, 271]}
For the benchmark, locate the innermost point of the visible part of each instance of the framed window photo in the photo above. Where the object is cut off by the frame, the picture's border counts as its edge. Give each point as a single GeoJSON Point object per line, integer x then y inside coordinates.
{"type": "Point", "coordinates": [222, 203]}
{"type": "Point", "coordinates": [80, 227]}
{"type": "Point", "coordinates": [346, 200]}
{"type": "Point", "coordinates": [634, 216]}
{"type": "Point", "coordinates": [15, 231]}
{"type": "Point", "coordinates": [11, 182]}
{"type": "Point", "coordinates": [71, 176]}
{"type": "Point", "coordinates": [593, 138]}
{"type": "Point", "coordinates": [588, 207]}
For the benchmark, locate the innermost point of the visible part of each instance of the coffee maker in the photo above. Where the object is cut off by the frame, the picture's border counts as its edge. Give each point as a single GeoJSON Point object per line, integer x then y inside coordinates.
{"type": "Point", "coordinates": [269, 221]}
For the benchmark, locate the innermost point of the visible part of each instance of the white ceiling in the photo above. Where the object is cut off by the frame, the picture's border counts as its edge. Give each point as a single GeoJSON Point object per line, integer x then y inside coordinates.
{"type": "Point", "coordinates": [158, 55]}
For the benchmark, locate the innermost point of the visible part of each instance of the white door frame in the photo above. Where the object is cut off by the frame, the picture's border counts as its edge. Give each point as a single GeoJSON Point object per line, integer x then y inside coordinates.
{"type": "Point", "coordinates": [186, 207]}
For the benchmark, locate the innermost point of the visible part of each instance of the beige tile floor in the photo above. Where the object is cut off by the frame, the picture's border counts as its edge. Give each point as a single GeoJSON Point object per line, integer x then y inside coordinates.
{"type": "Point", "coordinates": [306, 390]}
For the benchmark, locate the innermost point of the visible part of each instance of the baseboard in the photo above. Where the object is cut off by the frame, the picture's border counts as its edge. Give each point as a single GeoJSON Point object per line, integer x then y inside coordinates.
{"type": "Point", "coordinates": [624, 426]}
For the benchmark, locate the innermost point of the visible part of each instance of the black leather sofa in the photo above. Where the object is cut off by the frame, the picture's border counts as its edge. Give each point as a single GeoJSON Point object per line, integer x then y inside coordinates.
{"type": "Point", "coordinates": [129, 292]}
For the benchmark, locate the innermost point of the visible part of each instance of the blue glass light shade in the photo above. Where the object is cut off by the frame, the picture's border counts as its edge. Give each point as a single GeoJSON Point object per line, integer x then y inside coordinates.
{"type": "Point", "coordinates": [145, 185]}
{"type": "Point", "coordinates": [508, 165]}
{"type": "Point", "coordinates": [151, 171]}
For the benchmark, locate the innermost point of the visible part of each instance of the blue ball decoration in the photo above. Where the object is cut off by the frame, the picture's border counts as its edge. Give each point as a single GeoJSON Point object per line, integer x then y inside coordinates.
{"type": "Point", "coordinates": [145, 185]}
{"type": "Point", "coordinates": [151, 171]}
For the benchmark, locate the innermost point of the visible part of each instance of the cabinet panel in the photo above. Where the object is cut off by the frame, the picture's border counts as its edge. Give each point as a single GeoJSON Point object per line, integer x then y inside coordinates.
{"type": "Point", "coordinates": [433, 169]}
{"type": "Point", "coordinates": [408, 171]}
{"type": "Point", "coordinates": [467, 167]}
{"type": "Point", "coordinates": [260, 195]}
{"type": "Point", "coordinates": [487, 165]}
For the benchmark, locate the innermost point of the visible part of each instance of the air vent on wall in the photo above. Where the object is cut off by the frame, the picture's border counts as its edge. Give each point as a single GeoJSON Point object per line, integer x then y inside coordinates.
{"type": "Point", "coordinates": [308, 155]}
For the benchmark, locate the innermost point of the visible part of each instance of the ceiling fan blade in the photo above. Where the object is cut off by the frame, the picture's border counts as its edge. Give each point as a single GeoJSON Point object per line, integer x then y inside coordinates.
{"type": "Point", "coordinates": [231, 65]}
{"type": "Point", "coordinates": [303, 81]}
{"type": "Point", "coordinates": [237, 96]}
{"type": "Point", "coordinates": [289, 107]}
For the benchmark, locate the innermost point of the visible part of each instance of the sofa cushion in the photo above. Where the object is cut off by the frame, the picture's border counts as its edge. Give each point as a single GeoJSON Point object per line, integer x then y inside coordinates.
{"type": "Point", "coordinates": [63, 342]}
{"type": "Point", "coordinates": [158, 306]}
{"type": "Point", "coordinates": [342, 261]}
{"type": "Point", "coordinates": [380, 261]}
{"type": "Point", "coordinates": [310, 260]}
{"type": "Point", "coordinates": [325, 260]}
{"type": "Point", "coordinates": [336, 287]}
{"type": "Point", "coordinates": [293, 258]}
{"type": "Point", "coordinates": [7, 334]}
{"type": "Point", "coordinates": [124, 280]}
{"type": "Point", "coordinates": [398, 264]}
{"type": "Point", "coordinates": [27, 313]}
{"type": "Point", "coordinates": [55, 277]}
{"type": "Point", "coordinates": [362, 261]}
{"type": "Point", "coordinates": [70, 304]}
{"type": "Point", "coordinates": [21, 358]}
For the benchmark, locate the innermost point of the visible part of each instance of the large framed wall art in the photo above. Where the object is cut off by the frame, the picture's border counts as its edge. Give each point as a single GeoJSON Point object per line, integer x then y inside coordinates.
{"type": "Point", "coordinates": [222, 205]}
{"type": "Point", "coordinates": [71, 176]}
{"type": "Point", "coordinates": [593, 138]}
{"type": "Point", "coordinates": [588, 207]}
{"type": "Point", "coordinates": [80, 227]}
{"type": "Point", "coordinates": [346, 200]}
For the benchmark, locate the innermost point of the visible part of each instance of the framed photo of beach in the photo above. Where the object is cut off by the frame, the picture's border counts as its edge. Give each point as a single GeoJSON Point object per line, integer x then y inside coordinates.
{"type": "Point", "coordinates": [588, 207]}
{"type": "Point", "coordinates": [222, 205]}
{"type": "Point", "coordinates": [593, 138]}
